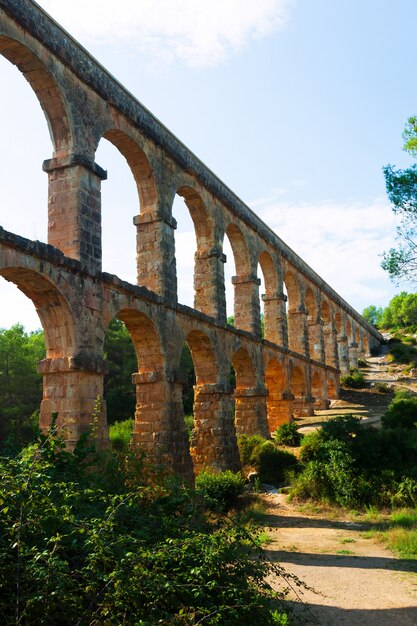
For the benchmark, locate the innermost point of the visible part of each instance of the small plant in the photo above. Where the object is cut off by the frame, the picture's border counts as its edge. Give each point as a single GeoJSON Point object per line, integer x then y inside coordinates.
{"type": "Point", "coordinates": [120, 433]}
{"type": "Point", "coordinates": [219, 491]}
{"type": "Point", "coordinates": [288, 435]}
{"type": "Point", "coordinates": [353, 380]}
{"type": "Point", "coordinates": [189, 424]}
{"type": "Point", "coordinates": [247, 445]}
{"type": "Point", "coordinates": [362, 363]}
{"type": "Point", "coordinates": [272, 463]}
{"type": "Point", "coordinates": [382, 387]}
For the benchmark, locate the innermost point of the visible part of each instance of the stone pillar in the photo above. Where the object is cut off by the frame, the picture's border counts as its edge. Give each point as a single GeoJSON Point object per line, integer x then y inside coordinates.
{"type": "Point", "coordinates": [250, 412]}
{"type": "Point", "coordinates": [155, 248]}
{"type": "Point", "coordinates": [298, 330]}
{"type": "Point", "coordinates": [247, 308]}
{"type": "Point", "coordinates": [279, 407]}
{"type": "Point", "coordinates": [73, 388]}
{"type": "Point", "coordinates": [321, 402]}
{"type": "Point", "coordinates": [74, 208]}
{"type": "Point", "coordinates": [159, 427]}
{"type": "Point", "coordinates": [316, 338]}
{"type": "Point", "coordinates": [214, 443]}
{"type": "Point", "coordinates": [210, 297]}
{"type": "Point", "coordinates": [343, 353]}
{"type": "Point", "coordinates": [330, 341]}
{"type": "Point", "coordinates": [275, 319]}
{"type": "Point", "coordinates": [303, 406]}
{"type": "Point", "coordinates": [353, 354]}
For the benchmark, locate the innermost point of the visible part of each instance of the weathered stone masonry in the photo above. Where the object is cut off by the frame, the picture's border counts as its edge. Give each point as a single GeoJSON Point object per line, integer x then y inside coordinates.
{"type": "Point", "coordinates": [311, 334]}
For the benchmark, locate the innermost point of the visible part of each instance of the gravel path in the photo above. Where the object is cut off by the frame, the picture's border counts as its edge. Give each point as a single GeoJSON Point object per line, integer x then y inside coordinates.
{"type": "Point", "coordinates": [357, 581]}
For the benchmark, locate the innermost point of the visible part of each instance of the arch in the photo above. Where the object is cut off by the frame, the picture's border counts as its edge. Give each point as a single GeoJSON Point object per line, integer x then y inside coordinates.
{"type": "Point", "coordinates": [332, 389]}
{"type": "Point", "coordinates": [202, 220]}
{"type": "Point", "coordinates": [139, 165]}
{"type": "Point", "coordinates": [317, 385]}
{"type": "Point", "coordinates": [53, 310]}
{"type": "Point", "coordinates": [45, 88]}
{"type": "Point", "coordinates": [145, 338]}
{"type": "Point", "coordinates": [278, 407]}
{"type": "Point", "coordinates": [338, 321]}
{"type": "Point", "coordinates": [239, 248]}
{"type": "Point", "coordinates": [298, 384]}
{"type": "Point", "coordinates": [244, 369]}
{"type": "Point", "coordinates": [204, 358]}
{"type": "Point", "coordinates": [311, 303]}
{"type": "Point", "coordinates": [293, 290]}
{"type": "Point", "coordinates": [269, 272]}
{"type": "Point", "coordinates": [348, 329]}
{"type": "Point", "coordinates": [325, 312]}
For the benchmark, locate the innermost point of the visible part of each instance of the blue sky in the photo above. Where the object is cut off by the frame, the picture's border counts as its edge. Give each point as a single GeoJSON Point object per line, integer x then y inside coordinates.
{"type": "Point", "coordinates": [296, 105]}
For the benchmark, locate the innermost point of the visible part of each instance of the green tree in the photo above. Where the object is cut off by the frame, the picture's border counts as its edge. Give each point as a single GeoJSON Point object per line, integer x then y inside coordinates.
{"type": "Point", "coordinates": [373, 315]}
{"type": "Point", "coordinates": [401, 185]}
{"type": "Point", "coordinates": [20, 384]}
{"type": "Point", "coordinates": [122, 363]}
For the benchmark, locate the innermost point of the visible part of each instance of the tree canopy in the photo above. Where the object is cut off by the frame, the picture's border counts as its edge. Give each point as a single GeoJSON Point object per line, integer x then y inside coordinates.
{"type": "Point", "coordinates": [400, 312]}
{"type": "Point", "coordinates": [401, 185]}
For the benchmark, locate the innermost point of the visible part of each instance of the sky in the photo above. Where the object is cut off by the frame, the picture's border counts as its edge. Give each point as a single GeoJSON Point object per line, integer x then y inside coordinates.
{"type": "Point", "coordinates": [295, 104]}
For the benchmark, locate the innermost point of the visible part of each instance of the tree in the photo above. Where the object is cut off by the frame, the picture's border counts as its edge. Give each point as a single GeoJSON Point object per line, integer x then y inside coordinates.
{"type": "Point", "coordinates": [373, 315]}
{"type": "Point", "coordinates": [20, 384]}
{"type": "Point", "coordinates": [401, 185]}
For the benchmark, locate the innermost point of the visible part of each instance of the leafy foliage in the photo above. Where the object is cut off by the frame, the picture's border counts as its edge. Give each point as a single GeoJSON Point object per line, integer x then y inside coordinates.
{"type": "Point", "coordinates": [401, 185]}
{"type": "Point", "coordinates": [122, 363]}
{"type": "Point", "coordinates": [402, 412]}
{"type": "Point", "coordinates": [89, 540]}
{"type": "Point", "coordinates": [353, 465]}
{"type": "Point", "coordinates": [20, 385]}
{"type": "Point", "coordinates": [119, 434]}
{"type": "Point", "coordinates": [219, 490]}
{"type": "Point", "coordinates": [353, 380]}
{"type": "Point", "coordinates": [288, 434]}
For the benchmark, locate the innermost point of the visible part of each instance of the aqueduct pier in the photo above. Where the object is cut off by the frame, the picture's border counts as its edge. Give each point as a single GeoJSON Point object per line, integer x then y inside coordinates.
{"type": "Point", "coordinates": [310, 333]}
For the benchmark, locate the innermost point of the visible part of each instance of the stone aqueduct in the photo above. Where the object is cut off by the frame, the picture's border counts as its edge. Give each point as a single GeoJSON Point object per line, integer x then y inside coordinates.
{"type": "Point", "coordinates": [307, 341]}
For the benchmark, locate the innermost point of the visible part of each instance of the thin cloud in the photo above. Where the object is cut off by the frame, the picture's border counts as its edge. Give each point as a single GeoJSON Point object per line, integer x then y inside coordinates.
{"type": "Point", "coordinates": [341, 242]}
{"type": "Point", "coordinates": [199, 34]}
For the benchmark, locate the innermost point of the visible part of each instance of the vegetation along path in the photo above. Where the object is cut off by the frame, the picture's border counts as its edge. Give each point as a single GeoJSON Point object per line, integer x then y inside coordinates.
{"type": "Point", "coordinates": [356, 580]}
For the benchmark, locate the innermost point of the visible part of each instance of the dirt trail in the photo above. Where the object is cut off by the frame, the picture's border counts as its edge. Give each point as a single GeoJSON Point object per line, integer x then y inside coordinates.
{"type": "Point", "coordinates": [358, 582]}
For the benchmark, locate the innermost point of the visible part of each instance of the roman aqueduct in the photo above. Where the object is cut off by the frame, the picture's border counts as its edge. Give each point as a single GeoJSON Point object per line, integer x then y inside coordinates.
{"type": "Point", "coordinates": [310, 335]}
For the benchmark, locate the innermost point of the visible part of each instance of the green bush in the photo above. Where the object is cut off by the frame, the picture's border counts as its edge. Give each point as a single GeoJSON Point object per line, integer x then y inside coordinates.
{"type": "Point", "coordinates": [288, 435]}
{"type": "Point", "coordinates": [134, 552]}
{"type": "Point", "coordinates": [353, 380]}
{"type": "Point", "coordinates": [403, 352]}
{"type": "Point", "coordinates": [271, 463]}
{"type": "Point", "coordinates": [247, 445]}
{"type": "Point", "coordinates": [402, 412]}
{"type": "Point", "coordinates": [406, 493]}
{"type": "Point", "coordinates": [120, 433]}
{"type": "Point", "coordinates": [221, 490]}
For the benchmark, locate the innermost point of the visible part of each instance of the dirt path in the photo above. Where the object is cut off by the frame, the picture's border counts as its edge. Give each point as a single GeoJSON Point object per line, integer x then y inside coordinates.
{"type": "Point", "coordinates": [358, 582]}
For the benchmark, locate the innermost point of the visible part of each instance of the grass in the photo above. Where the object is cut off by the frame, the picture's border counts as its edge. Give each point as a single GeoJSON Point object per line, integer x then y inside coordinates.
{"type": "Point", "coordinates": [347, 540]}
{"type": "Point", "coordinates": [345, 552]}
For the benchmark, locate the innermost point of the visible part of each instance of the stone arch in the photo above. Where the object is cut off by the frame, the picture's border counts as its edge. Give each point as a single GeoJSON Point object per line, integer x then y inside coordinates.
{"type": "Point", "coordinates": [53, 310]}
{"type": "Point", "coordinates": [319, 390]}
{"type": "Point", "coordinates": [325, 312]}
{"type": "Point", "coordinates": [244, 369]}
{"type": "Point", "coordinates": [332, 387]}
{"type": "Point", "coordinates": [273, 304]}
{"type": "Point", "coordinates": [278, 400]}
{"type": "Point", "coordinates": [293, 290]}
{"type": "Point", "coordinates": [139, 165]}
{"type": "Point", "coordinates": [206, 257]}
{"type": "Point", "coordinates": [45, 88]}
{"type": "Point", "coordinates": [246, 284]}
{"type": "Point", "coordinates": [240, 249]}
{"type": "Point", "coordinates": [298, 383]}
{"type": "Point", "coordinates": [311, 303]}
{"type": "Point", "coordinates": [146, 341]}
{"type": "Point", "coordinates": [204, 358]}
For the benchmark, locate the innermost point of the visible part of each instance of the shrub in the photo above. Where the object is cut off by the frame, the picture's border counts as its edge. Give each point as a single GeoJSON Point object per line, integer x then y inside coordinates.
{"type": "Point", "coordinates": [353, 380]}
{"type": "Point", "coordinates": [189, 424]}
{"type": "Point", "coordinates": [271, 463]}
{"type": "Point", "coordinates": [247, 445]}
{"type": "Point", "coordinates": [402, 352]}
{"type": "Point", "coordinates": [72, 553]}
{"type": "Point", "coordinates": [402, 412]}
{"type": "Point", "coordinates": [362, 363]}
{"type": "Point", "coordinates": [406, 493]}
{"type": "Point", "coordinates": [288, 435]}
{"type": "Point", "coordinates": [382, 387]}
{"type": "Point", "coordinates": [119, 434]}
{"type": "Point", "coordinates": [219, 491]}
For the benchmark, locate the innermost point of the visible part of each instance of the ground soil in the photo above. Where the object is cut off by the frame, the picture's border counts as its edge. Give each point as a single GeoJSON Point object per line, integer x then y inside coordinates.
{"type": "Point", "coordinates": [356, 580]}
